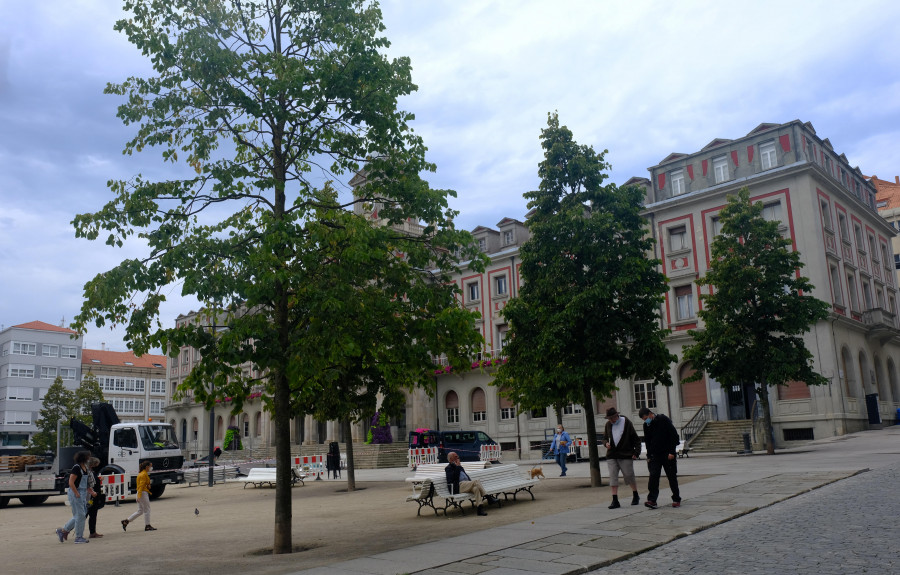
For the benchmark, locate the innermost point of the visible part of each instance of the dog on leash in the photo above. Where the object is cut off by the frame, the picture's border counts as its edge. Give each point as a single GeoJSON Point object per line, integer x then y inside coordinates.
{"type": "Point", "coordinates": [537, 472]}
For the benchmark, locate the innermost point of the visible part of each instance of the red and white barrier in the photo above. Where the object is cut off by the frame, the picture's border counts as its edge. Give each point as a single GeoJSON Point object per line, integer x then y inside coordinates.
{"type": "Point", "coordinates": [311, 465]}
{"type": "Point", "coordinates": [491, 453]}
{"type": "Point", "coordinates": [422, 455]}
{"type": "Point", "coordinates": [114, 486]}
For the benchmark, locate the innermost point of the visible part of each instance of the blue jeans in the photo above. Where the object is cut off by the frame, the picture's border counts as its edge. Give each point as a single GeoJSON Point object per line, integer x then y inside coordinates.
{"type": "Point", "coordinates": [79, 512]}
{"type": "Point", "coordinates": [561, 461]}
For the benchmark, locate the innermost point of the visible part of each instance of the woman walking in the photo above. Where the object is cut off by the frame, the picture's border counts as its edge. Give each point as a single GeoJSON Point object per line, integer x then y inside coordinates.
{"type": "Point", "coordinates": [143, 498]}
{"type": "Point", "coordinates": [79, 491]}
{"type": "Point", "coordinates": [97, 501]}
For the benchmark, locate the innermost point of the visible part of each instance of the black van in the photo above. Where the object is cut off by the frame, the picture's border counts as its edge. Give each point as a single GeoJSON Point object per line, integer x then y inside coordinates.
{"type": "Point", "coordinates": [466, 444]}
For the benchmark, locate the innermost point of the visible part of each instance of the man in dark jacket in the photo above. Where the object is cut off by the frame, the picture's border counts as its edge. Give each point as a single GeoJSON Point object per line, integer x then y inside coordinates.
{"type": "Point", "coordinates": [623, 446]}
{"type": "Point", "coordinates": [458, 481]}
{"type": "Point", "coordinates": [662, 440]}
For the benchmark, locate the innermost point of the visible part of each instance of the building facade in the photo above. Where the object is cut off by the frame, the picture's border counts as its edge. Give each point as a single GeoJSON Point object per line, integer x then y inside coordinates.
{"type": "Point", "coordinates": [32, 356]}
{"type": "Point", "coordinates": [828, 210]}
{"type": "Point", "coordinates": [888, 203]}
{"type": "Point", "coordinates": [134, 386]}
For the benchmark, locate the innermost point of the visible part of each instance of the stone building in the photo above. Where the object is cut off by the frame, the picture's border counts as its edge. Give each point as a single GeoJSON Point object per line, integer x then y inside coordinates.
{"type": "Point", "coordinates": [887, 200]}
{"type": "Point", "coordinates": [134, 386]}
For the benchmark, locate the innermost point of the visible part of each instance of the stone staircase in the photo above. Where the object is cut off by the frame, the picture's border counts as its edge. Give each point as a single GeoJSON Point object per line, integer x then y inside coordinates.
{"type": "Point", "coordinates": [364, 456]}
{"type": "Point", "coordinates": [721, 436]}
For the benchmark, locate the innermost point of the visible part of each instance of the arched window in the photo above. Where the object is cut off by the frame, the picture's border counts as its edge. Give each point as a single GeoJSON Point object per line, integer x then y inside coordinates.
{"type": "Point", "coordinates": [479, 405]}
{"type": "Point", "coordinates": [258, 425]}
{"type": "Point", "coordinates": [693, 393]}
{"type": "Point", "coordinates": [507, 409]}
{"type": "Point", "coordinates": [195, 427]}
{"type": "Point", "coordinates": [220, 428]}
{"type": "Point", "coordinates": [451, 403]}
{"type": "Point", "coordinates": [849, 372]}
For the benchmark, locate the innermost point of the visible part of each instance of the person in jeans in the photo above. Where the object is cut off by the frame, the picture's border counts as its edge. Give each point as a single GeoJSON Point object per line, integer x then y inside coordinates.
{"type": "Point", "coordinates": [623, 446]}
{"type": "Point", "coordinates": [79, 491]}
{"type": "Point", "coordinates": [143, 498]}
{"type": "Point", "coordinates": [458, 481]}
{"type": "Point", "coordinates": [662, 441]}
{"type": "Point", "coordinates": [560, 448]}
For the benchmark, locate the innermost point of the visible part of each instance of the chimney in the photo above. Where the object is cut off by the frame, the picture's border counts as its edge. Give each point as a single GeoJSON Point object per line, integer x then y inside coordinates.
{"type": "Point", "coordinates": [102, 346]}
{"type": "Point", "coordinates": [897, 179]}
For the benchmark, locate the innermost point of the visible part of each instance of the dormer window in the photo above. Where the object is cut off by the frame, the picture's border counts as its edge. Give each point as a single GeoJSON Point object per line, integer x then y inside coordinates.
{"type": "Point", "coordinates": [677, 182]}
{"type": "Point", "coordinates": [482, 244]}
{"type": "Point", "coordinates": [767, 157]}
{"type": "Point", "coordinates": [720, 169]}
{"type": "Point", "coordinates": [509, 238]}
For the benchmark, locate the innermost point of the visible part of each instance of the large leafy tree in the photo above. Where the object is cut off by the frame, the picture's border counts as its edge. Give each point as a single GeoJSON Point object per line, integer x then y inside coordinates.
{"type": "Point", "coordinates": [758, 308]}
{"type": "Point", "coordinates": [588, 310]}
{"type": "Point", "coordinates": [58, 406]}
{"type": "Point", "coordinates": [267, 102]}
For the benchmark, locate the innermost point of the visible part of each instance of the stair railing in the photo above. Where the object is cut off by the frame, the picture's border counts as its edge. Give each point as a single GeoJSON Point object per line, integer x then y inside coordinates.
{"type": "Point", "coordinates": [707, 412]}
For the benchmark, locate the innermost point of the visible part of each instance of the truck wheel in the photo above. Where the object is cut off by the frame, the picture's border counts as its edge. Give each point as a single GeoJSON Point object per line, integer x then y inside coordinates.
{"type": "Point", "coordinates": [32, 500]}
{"type": "Point", "coordinates": [156, 491]}
{"type": "Point", "coordinates": [4, 501]}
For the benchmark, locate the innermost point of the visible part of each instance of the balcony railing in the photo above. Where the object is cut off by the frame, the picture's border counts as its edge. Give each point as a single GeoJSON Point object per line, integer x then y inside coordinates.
{"type": "Point", "coordinates": [483, 355]}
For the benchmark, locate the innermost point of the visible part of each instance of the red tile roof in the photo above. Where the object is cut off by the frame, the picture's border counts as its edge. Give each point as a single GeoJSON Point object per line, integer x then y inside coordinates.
{"type": "Point", "coordinates": [118, 358]}
{"type": "Point", "coordinates": [39, 325]}
{"type": "Point", "coordinates": [887, 192]}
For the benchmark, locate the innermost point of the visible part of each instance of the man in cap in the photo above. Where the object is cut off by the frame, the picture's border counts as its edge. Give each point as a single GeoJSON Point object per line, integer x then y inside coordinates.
{"type": "Point", "coordinates": [623, 446]}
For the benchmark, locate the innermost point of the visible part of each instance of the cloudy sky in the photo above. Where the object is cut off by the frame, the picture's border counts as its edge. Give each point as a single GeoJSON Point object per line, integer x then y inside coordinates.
{"type": "Point", "coordinates": [641, 79]}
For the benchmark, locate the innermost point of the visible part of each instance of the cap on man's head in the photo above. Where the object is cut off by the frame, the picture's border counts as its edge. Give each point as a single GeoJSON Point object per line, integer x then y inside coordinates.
{"type": "Point", "coordinates": [611, 412]}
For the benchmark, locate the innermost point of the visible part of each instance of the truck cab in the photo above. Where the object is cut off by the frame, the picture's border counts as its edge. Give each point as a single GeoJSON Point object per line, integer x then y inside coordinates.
{"type": "Point", "coordinates": [133, 443]}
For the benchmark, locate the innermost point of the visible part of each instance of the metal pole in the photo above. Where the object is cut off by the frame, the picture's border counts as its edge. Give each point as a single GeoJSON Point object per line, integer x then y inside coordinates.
{"type": "Point", "coordinates": [212, 438]}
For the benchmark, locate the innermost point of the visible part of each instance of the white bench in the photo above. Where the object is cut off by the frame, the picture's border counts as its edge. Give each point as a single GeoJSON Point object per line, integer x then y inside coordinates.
{"type": "Point", "coordinates": [497, 480]}
{"type": "Point", "coordinates": [260, 475]}
{"type": "Point", "coordinates": [434, 472]}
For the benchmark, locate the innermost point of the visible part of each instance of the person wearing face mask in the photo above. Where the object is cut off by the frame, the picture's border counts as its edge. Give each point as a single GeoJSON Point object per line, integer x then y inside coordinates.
{"type": "Point", "coordinates": [560, 448]}
{"type": "Point", "coordinates": [143, 498]}
{"type": "Point", "coordinates": [623, 446]}
{"type": "Point", "coordinates": [662, 439]}
{"type": "Point", "coordinates": [79, 491]}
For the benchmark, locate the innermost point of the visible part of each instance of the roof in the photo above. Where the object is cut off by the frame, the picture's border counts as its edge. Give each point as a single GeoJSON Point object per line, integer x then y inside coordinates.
{"type": "Point", "coordinates": [887, 191]}
{"type": "Point", "coordinates": [42, 326]}
{"type": "Point", "coordinates": [121, 358]}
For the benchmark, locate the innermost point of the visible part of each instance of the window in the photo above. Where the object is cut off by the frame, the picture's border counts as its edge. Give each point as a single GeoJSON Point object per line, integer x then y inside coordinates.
{"type": "Point", "coordinates": [872, 249]}
{"type": "Point", "coordinates": [50, 351]}
{"type": "Point", "coordinates": [473, 291]}
{"type": "Point", "coordinates": [507, 413]}
{"type": "Point", "coordinates": [572, 409]}
{"type": "Point", "coordinates": [26, 371]}
{"type": "Point", "coordinates": [451, 402]}
{"type": "Point", "coordinates": [879, 298]}
{"type": "Point", "coordinates": [715, 225]}
{"type": "Point", "coordinates": [825, 210]}
{"type": "Point", "coordinates": [67, 373]}
{"type": "Point", "coordinates": [644, 395]}
{"type": "Point", "coordinates": [482, 244]}
{"type": "Point", "coordinates": [867, 294]}
{"type": "Point", "coordinates": [479, 405]}
{"type": "Point", "coordinates": [884, 255]}
{"type": "Point", "coordinates": [772, 212]}
{"type": "Point", "coordinates": [68, 351]}
{"type": "Point", "coordinates": [17, 417]}
{"type": "Point", "coordinates": [539, 413]}
{"type": "Point", "coordinates": [684, 302]}
{"type": "Point", "coordinates": [767, 155]}
{"type": "Point", "coordinates": [677, 183]}
{"type": "Point", "coordinates": [19, 348]}
{"type": "Point", "coordinates": [157, 386]}
{"type": "Point", "coordinates": [860, 244]}
{"type": "Point", "coordinates": [156, 407]}
{"type": "Point", "coordinates": [854, 298]}
{"type": "Point", "coordinates": [845, 231]}
{"type": "Point", "coordinates": [185, 356]}
{"type": "Point", "coordinates": [502, 332]}
{"type": "Point", "coordinates": [844, 179]}
{"type": "Point", "coordinates": [19, 393]}
{"type": "Point", "coordinates": [129, 406]}
{"type": "Point", "coordinates": [500, 285]}
{"type": "Point", "coordinates": [509, 238]}
{"type": "Point", "coordinates": [836, 291]}
{"type": "Point", "coordinates": [48, 372]}
{"type": "Point", "coordinates": [678, 238]}
{"type": "Point", "coordinates": [720, 169]}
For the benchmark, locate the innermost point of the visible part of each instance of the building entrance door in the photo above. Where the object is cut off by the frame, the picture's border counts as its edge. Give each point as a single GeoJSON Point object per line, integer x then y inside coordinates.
{"type": "Point", "coordinates": [740, 401]}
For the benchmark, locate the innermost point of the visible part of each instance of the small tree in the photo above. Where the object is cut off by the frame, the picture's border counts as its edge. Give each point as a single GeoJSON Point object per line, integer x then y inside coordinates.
{"type": "Point", "coordinates": [87, 393]}
{"type": "Point", "coordinates": [59, 405]}
{"type": "Point", "coordinates": [757, 310]}
{"type": "Point", "coordinates": [588, 310]}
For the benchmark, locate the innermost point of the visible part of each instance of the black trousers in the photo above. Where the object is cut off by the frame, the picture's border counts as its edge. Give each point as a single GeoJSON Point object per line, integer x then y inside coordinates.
{"type": "Point", "coordinates": [656, 466]}
{"type": "Point", "coordinates": [92, 519]}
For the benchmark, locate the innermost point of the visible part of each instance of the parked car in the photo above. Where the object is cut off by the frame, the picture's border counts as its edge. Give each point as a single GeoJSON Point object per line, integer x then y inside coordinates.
{"type": "Point", "coordinates": [466, 444]}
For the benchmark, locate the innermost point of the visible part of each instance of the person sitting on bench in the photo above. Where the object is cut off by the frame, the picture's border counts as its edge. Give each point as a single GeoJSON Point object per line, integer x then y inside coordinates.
{"type": "Point", "coordinates": [458, 481]}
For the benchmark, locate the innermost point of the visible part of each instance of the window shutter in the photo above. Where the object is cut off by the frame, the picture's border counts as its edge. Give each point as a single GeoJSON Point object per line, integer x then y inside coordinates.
{"type": "Point", "coordinates": [478, 401]}
{"type": "Point", "coordinates": [505, 402]}
{"type": "Point", "coordinates": [452, 400]}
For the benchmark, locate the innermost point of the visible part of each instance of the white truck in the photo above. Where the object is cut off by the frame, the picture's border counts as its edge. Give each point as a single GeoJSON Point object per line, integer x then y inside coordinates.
{"type": "Point", "coordinates": [120, 447]}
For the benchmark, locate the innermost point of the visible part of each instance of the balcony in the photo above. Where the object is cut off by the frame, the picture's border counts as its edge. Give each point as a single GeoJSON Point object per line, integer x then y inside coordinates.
{"type": "Point", "coordinates": [881, 323]}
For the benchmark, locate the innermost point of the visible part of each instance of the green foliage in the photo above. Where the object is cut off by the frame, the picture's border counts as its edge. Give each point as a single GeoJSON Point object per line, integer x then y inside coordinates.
{"type": "Point", "coordinates": [759, 306]}
{"type": "Point", "coordinates": [268, 104]}
{"type": "Point", "coordinates": [88, 392]}
{"type": "Point", "coordinates": [588, 310]}
{"type": "Point", "coordinates": [59, 405]}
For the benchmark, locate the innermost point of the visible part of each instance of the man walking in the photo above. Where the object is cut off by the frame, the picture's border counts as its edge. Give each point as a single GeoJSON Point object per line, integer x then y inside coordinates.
{"type": "Point", "coordinates": [623, 446]}
{"type": "Point", "coordinates": [560, 447]}
{"type": "Point", "coordinates": [458, 481]}
{"type": "Point", "coordinates": [662, 440]}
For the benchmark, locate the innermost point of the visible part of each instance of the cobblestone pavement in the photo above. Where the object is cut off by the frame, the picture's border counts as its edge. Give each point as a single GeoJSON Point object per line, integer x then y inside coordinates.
{"type": "Point", "coordinates": [851, 526]}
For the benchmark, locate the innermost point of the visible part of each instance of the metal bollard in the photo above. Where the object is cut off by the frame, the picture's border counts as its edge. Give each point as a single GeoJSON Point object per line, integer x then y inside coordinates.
{"type": "Point", "coordinates": [747, 448]}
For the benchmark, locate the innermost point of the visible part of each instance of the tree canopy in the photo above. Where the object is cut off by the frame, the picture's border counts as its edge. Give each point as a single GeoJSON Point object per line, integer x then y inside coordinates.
{"type": "Point", "coordinates": [757, 309]}
{"type": "Point", "coordinates": [271, 105]}
{"type": "Point", "coordinates": [587, 313]}
{"type": "Point", "coordinates": [58, 406]}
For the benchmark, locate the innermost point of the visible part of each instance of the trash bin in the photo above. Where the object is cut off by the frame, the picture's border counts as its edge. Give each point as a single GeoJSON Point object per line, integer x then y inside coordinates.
{"type": "Point", "coordinates": [897, 419]}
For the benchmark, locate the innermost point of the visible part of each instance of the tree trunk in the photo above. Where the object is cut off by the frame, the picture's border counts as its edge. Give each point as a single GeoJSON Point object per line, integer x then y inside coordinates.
{"type": "Point", "coordinates": [348, 434]}
{"type": "Point", "coordinates": [558, 412]}
{"type": "Point", "coordinates": [594, 454]}
{"type": "Point", "coordinates": [282, 542]}
{"type": "Point", "coordinates": [763, 391]}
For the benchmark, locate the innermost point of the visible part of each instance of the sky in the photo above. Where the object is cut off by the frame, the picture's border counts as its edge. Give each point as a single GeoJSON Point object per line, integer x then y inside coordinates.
{"type": "Point", "coordinates": [640, 79]}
